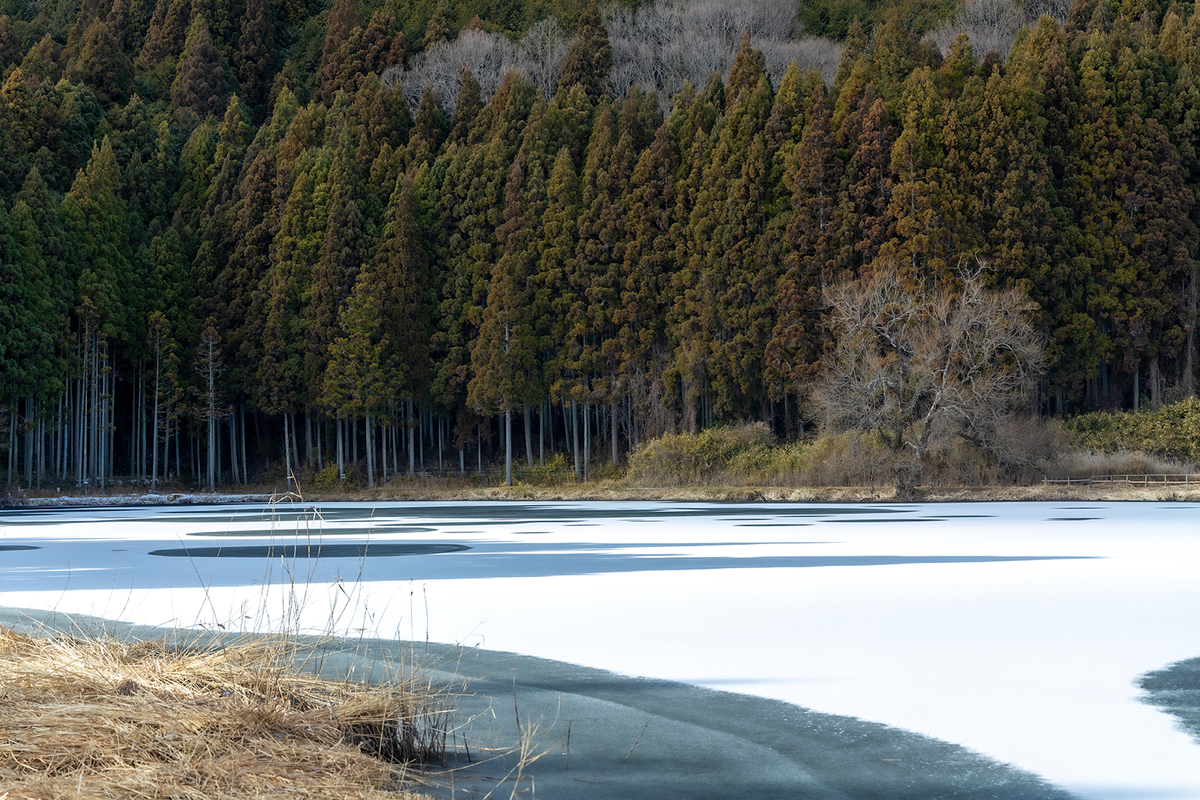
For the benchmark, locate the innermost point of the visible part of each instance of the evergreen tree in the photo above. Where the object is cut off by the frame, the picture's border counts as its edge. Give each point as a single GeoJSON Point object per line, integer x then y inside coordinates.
{"type": "Point", "coordinates": [404, 278]}
{"type": "Point", "coordinates": [918, 250]}
{"type": "Point", "coordinates": [255, 58]}
{"type": "Point", "coordinates": [794, 351]}
{"type": "Point", "coordinates": [590, 57]}
{"type": "Point", "coordinates": [646, 293]}
{"type": "Point", "coordinates": [504, 354]}
{"type": "Point", "coordinates": [200, 85]}
{"type": "Point", "coordinates": [1100, 264]}
{"type": "Point", "coordinates": [355, 384]}
{"type": "Point", "coordinates": [335, 272]}
{"type": "Point", "coordinates": [439, 28]}
{"type": "Point", "coordinates": [746, 72]}
{"type": "Point", "coordinates": [102, 64]}
{"type": "Point", "coordinates": [344, 18]}
{"type": "Point", "coordinates": [168, 32]}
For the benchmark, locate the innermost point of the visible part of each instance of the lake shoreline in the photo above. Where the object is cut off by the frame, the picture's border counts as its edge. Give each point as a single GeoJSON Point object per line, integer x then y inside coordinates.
{"type": "Point", "coordinates": [612, 492]}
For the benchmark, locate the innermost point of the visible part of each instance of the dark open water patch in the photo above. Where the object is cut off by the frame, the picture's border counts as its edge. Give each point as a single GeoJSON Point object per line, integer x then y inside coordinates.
{"type": "Point", "coordinates": [1175, 689]}
{"type": "Point", "coordinates": [1071, 519]}
{"type": "Point", "coordinates": [292, 551]}
{"type": "Point", "coordinates": [6, 547]}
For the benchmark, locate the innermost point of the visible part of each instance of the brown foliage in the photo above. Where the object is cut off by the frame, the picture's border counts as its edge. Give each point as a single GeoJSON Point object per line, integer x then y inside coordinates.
{"type": "Point", "coordinates": [918, 367]}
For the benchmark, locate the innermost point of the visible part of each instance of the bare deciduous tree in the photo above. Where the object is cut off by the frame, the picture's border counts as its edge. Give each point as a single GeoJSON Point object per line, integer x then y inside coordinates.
{"type": "Point", "coordinates": [543, 51]}
{"type": "Point", "coordinates": [820, 55]}
{"type": "Point", "coordinates": [919, 368]}
{"type": "Point", "coordinates": [490, 57]}
{"type": "Point", "coordinates": [658, 46]}
{"type": "Point", "coordinates": [989, 24]}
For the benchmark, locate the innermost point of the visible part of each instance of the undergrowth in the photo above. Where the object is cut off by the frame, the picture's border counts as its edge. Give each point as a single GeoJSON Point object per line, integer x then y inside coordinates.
{"type": "Point", "coordinates": [748, 455]}
{"type": "Point", "coordinates": [1170, 434]}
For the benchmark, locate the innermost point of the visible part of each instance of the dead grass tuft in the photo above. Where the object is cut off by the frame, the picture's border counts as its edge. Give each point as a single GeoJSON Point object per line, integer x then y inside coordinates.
{"type": "Point", "coordinates": [102, 718]}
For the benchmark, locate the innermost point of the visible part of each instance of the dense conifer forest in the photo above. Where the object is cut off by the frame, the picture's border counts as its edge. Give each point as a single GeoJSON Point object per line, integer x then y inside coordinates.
{"type": "Point", "coordinates": [238, 234]}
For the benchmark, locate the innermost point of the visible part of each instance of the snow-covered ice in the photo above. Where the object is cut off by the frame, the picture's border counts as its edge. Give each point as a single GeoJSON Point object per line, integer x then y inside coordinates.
{"type": "Point", "coordinates": [1016, 629]}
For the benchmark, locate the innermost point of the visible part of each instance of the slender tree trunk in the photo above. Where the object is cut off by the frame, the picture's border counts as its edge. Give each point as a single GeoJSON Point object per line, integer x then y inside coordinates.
{"type": "Point", "coordinates": [575, 439]}
{"type": "Point", "coordinates": [12, 439]}
{"type": "Point", "coordinates": [508, 447]}
{"type": "Point", "coordinates": [233, 453]}
{"type": "Point", "coordinates": [612, 414]}
{"type": "Point", "coordinates": [295, 451]}
{"type": "Point", "coordinates": [370, 443]}
{"type": "Point", "coordinates": [308, 439]}
{"type": "Point", "coordinates": [528, 420]}
{"type": "Point", "coordinates": [287, 452]}
{"type": "Point", "coordinates": [320, 442]}
{"type": "Point", "coordinates": [340, 450]}
{"type": "Point", "coordinates": [154, 432]}
{"type": "Point", "coordinates": [60, 464]}
{"type": "Point", "coordinates": [412, 448]}
{"type": "Point", "coordinates": [587, 439]}
{"type": "Point", "coordinates": [1155, 384]}
{"type": "Point", "coordinates": [40, 467]}
{"type": "Point", "coordinates": [29, 434]}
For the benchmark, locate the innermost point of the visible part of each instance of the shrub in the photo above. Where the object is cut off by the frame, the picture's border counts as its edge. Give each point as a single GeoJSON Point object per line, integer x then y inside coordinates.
{"type": "Point", "coordinates": [705, 457]}
{"type": "Point", "coordinates": [327, 479]}
{"type": "Point", "coordinates": [1172, 432]}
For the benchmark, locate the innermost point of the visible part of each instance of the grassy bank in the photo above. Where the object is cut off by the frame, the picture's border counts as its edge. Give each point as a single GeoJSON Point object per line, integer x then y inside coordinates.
{"type": "Point", "coordinates": [98, 717]}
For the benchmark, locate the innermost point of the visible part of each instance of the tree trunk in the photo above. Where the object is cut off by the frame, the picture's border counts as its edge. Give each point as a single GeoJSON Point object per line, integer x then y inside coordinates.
{"type": "Point", "coordinates": [370, 443]}
{"type": "Point", "coordinates": [575, 439]}
{"type": "Point", "coordinates": [612, 413]}
{"type": "Point", "coordinates": [412, 448]}
{"type": "Point", "coordinates": [528, 435]}
{"type": "Point", "coordinates": [154, 432]}
{"type": "Point", "coordinates": [340, 461]}
{"type": "Point", "coordinates": [508, 447]}
{"type": "Point", "coordinates": [287, 453]}
{"type": "Point", "coordinates": [233, 450]}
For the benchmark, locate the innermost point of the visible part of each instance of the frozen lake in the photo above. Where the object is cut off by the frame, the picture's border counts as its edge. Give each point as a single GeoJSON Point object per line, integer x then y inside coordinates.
{"type": "Point", "coordinates": [1015, 629]}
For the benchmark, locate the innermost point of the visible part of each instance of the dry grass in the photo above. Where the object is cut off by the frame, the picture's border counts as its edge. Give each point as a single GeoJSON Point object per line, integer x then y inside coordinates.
{"type": "Point", "coordinates": [102, 718]}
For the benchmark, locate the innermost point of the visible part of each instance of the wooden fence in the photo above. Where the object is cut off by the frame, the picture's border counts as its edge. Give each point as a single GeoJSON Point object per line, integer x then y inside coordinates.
{"type": "Point", "coordinates": [1134, 480]}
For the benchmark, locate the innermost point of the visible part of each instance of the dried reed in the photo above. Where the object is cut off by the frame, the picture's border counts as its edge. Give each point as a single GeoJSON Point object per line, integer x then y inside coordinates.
{"type": "Point", "coordinates": [103, 718]}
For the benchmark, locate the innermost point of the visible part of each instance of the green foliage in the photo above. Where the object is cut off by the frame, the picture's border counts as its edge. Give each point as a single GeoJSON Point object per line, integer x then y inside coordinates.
{"type": "Point", "coordinates": [702, 458]}
{"type": "Point", "coordinates": [328, 479]}
{"type": "Point", "coordinates": [834, 18]}
{"type": "Point", "coordinates": [1173, 431]}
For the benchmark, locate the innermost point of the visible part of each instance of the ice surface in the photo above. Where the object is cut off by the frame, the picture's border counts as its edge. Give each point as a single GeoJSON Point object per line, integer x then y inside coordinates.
{"type": "Point", "coordinates": [1015, 629]}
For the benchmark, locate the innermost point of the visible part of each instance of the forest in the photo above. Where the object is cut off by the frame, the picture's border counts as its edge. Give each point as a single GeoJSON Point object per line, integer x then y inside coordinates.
{"type": "Point", "coordinates": [242, 237]}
